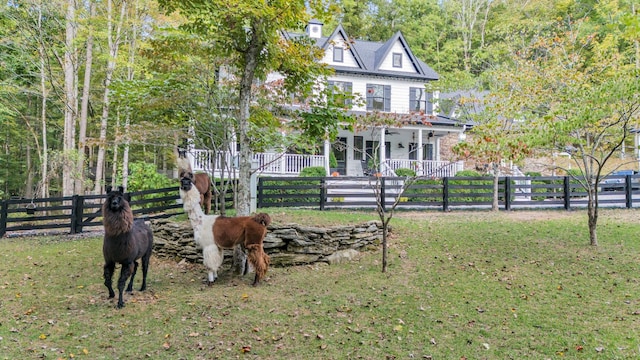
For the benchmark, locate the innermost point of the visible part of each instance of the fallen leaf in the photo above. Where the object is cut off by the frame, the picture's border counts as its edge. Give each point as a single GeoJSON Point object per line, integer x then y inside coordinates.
{"type": "Point", "coordinates": [166, 346]}
{"type": "Point", "coordinates": [42, 336]}
{"type": "Point", "coordinates": [246, 349]}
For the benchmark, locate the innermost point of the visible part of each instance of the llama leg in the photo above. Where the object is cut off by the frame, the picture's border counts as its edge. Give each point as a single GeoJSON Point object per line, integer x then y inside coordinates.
{"type": "Point", "coordinates": [212, 258]}
{"type": "Point", "coordinates": [133, 274]}
{"type": "Point", "coordinates": [125, 272]}
{"type": "Point", "coordinates": [109, 268]}
{"type": "Point", "coordinates": [145, 268]}
{"type": "Point", "coordinates": [207, 202]}
{"type": "Point", "coordinates": [239, 260]}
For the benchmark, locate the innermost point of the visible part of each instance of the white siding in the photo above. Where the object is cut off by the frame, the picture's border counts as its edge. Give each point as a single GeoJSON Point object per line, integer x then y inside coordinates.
{"type": "Point", "coordinates": [348, 59]}
{"type": "Point", "coordinates": [399, 90]}
{"type": "Point", "coordinates": [387, 63]}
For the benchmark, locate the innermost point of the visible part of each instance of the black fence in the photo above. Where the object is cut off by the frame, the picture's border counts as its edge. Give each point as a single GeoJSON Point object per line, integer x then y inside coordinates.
{"type": "Point", "coordinates": [77, 213]}
{"type": "Point", "coordinates": [559, 192]}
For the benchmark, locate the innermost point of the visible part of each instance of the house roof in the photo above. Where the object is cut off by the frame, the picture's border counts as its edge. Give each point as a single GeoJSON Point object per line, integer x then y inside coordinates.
{"type": "Point", "coordinates": [369, 56]}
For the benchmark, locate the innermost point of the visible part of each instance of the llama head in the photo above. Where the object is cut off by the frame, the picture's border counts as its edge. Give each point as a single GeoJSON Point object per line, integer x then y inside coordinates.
{"type": "Point", "coordinates": [115, 199]}
{"type": "Point", "coordinates": [186, 180]}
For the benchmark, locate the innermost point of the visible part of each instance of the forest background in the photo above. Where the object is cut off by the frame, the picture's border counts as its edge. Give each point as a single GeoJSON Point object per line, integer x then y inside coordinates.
{"type": "Point", "coordinates": [88, 87]}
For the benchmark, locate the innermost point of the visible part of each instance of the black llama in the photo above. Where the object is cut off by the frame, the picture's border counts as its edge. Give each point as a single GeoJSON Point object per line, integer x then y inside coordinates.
{"type": "Point", "coordinates": [125, 241]}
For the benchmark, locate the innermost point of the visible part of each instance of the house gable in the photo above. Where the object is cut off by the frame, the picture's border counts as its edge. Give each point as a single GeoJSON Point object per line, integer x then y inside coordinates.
{"type": "Point", "coordinates": [395, 55]}
{"type": "Point", "coordinates": [350, 57]}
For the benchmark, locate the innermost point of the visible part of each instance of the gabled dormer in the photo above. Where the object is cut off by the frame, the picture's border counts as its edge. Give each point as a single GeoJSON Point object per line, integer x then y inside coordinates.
{"type": "Point", "coordinates": [395, 55]}
{"type": "Point", "coordinates": [340, 50]}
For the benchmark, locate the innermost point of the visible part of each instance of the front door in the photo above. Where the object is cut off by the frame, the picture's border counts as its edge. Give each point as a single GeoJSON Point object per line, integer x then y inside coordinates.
{"type": "Point", "coordinates": [373, 159]}
{"type": "Point", "coordinates": [339, 150]}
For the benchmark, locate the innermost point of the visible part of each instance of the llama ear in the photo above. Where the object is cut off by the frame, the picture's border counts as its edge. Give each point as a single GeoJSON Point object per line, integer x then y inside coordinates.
{"type": "Point", "coordinates": [108, 188]}
{"type": "Point", "coordinates": [121, 189]}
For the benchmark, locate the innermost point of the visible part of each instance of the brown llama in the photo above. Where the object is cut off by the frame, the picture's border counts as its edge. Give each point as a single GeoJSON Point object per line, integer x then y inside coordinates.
{"type": "Point", "coordinates": [125, 241]}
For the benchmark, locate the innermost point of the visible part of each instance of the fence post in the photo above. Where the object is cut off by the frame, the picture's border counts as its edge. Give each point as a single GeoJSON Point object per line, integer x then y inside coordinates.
{"type": "Point", "coordinates": [323, 193]}
{"type": "Point", "coordinates": [445, 193]}
{"type": "Point", "coordinates": [567, 192]}
{"type": "Point", "coordinates": [74, 215]}
{"type": "Point", "coordinates": [507, 193]}
{"type": "Point", "coordinates": [628, 192]}
{"type": "Point", "coordinates": [259, 191]}
{"type": "Point", "coordinates": [3, 217]}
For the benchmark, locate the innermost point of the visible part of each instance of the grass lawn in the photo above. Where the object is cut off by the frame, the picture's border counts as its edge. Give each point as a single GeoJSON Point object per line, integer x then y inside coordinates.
{"type": "Point", "coordinates": [473, 285]}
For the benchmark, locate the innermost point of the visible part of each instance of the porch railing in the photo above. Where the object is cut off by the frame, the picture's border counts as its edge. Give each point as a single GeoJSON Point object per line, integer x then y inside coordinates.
{"type": "Point", "coordinates": [268, 163]}
{"type": "Point", "coordinates": [430, 168]}
{"type": "Point", "coordinates": [292, 164]}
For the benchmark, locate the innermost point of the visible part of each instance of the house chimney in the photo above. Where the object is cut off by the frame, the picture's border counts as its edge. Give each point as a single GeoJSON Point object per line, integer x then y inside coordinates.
{"type": "Point", "coordinates": [314, 29]}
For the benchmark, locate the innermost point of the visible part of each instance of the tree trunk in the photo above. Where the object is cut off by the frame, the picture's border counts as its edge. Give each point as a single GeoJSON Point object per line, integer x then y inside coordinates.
{"type": "Point", "coordinates": [44, 188]}
{"type": "Point", "coordinates": [592, 212]}
{"type": "Point", "coordinates": [84, 106]}
{"type": "Point", "coordinates": [385, 233]}
{"type": "Point", "coordinates": [70, 97]}
{"type": "Point", "coordinates": [111, 66]}
{"type": "Point", "coordinates": [243, 206]}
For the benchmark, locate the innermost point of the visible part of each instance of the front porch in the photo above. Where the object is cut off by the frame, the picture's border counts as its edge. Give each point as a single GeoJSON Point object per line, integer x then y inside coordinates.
{"type": "Point", "coordinates": [282, 164]}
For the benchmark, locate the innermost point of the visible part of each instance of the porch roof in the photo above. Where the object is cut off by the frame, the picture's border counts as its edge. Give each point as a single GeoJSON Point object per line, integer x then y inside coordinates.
{"type": "Point", "coordinates": [425, 120]}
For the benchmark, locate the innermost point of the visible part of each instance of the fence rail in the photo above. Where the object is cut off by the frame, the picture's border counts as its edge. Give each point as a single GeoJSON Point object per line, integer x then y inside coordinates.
{"type": "Point", "coordinates": [77, 213]}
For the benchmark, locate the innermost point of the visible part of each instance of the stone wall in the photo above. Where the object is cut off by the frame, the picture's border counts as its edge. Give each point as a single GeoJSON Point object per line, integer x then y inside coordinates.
{"type": "Point", "coordinates": [286, 244]}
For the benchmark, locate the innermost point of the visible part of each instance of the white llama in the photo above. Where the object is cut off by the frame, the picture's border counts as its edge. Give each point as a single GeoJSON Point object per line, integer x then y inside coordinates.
{"type": "Point", "coordinates": [202, 225]}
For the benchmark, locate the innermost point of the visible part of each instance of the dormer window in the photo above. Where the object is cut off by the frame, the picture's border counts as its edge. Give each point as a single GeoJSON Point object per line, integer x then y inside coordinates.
{"type": "Point", "coordinates": [338, 54]}
{"type": "Point", "coordinates": [397, 60]}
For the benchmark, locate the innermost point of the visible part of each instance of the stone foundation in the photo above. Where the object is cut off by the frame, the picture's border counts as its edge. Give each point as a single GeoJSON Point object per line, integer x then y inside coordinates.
{"type": "Point", "coordinates": [286, 244]}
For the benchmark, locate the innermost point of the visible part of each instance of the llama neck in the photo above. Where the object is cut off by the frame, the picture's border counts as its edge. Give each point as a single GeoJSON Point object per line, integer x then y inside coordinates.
{"type": "Point", "coordinates": [191, 204]}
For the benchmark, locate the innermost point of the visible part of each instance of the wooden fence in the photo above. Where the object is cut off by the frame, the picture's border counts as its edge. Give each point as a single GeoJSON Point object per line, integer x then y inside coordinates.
{"type": "Point", "coordinates": [76, 213]}
{"type": "Point", "coordinates": [449, 193]}
{"type": "Point", "coordinates": [79, 212]}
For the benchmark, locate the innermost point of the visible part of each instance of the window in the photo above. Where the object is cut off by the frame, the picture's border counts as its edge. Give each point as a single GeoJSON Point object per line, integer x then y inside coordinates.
{"type": "Point", "coordinates": [338, 54]}
{"type": "Point", "coordinates": [397, 60]}
{"type": "Point", "coordinates": [341, 91]}
{"type": "Point", "coordinates": [378, 97]}
{"type": "Point", "coordinates": [427, 151]}
{"type": "Point", "coordinates": [357, 147]}
{"type": "Point", "coordinates": [420, 100]}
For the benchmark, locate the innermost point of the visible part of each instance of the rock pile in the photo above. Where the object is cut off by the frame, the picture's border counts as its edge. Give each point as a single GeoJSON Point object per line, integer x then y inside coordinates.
{"type": "Point", "coordinates": [286, 244]}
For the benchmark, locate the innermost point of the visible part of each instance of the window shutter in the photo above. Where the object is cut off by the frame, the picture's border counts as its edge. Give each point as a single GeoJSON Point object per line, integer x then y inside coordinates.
{"type": "Point", "coordinates": [412, 99]}
{"type": "Point", "coordinates": [387, 98]}
{"type": "Point", "coordinates": [348, 89]}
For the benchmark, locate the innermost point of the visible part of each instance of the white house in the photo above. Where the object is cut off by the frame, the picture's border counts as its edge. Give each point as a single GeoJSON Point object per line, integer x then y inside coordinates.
{"type": "Point", "coordinates": [390, 80]}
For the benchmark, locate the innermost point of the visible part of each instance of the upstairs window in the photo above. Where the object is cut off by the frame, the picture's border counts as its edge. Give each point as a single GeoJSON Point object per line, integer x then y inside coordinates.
{"type": "Point", "coordinates": [341, 91]}
{"type": "Point", "coordinates": [338, 54]}
{"type": "Point", "coordinates": [420, 100]}
{"type": "Point", "coordinates": [378, 97]}
{"type": "Point", "coordinates": [397, 60]}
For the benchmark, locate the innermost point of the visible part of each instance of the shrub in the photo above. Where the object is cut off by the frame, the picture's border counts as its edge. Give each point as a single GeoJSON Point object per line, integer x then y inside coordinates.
{"type": "Point", "coordinates": [486, 190]}
{"type": "Point", "coordinates": [313, 171]}
{"type": "Point", "coordinates": [143, 176]}
{"type": "Point", "coordinates": [405, 172]}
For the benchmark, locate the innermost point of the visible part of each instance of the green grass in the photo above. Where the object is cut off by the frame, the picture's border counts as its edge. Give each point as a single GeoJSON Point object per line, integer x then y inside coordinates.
{"type": "Point", "coordinates": [466, 284]}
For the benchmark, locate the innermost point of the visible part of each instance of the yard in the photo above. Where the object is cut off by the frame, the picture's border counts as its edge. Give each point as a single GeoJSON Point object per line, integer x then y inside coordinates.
{"type": "Point", "coordinates": [465, 284]}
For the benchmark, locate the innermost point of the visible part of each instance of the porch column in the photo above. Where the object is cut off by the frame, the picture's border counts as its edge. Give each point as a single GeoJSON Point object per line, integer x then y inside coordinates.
{"type": "Point", "coordinates": [283, 158]}
{"type": "Point", "coordinates": [327, 152]}
{"type": "Point", "coordinates": [419, 154]}
{"type": "Point", "coordinates": [383, 150]}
